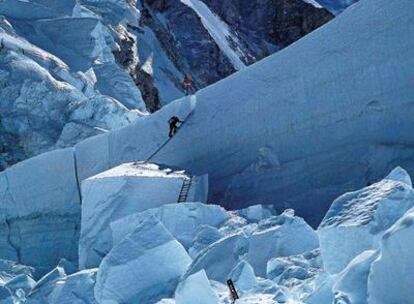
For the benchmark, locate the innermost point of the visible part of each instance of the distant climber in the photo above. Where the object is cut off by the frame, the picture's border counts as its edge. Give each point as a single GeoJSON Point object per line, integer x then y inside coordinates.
{"type": "Point", "coordinates": [173, 121]}
{"type": "Point", "coordinates": [188, 84]}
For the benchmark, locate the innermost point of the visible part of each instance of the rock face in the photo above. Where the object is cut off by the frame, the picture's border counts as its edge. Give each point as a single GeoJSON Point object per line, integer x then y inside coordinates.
{"type": "Point", "coordinates": [336, 6]}
{"type": "Point", "coordinates": [200, 57]}
{"type": "Point", "coordinates": [264, 26]}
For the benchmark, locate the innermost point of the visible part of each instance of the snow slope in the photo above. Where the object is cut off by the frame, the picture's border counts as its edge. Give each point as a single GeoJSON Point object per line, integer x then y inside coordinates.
{"type": "Point", "coordinates": [218, 30]}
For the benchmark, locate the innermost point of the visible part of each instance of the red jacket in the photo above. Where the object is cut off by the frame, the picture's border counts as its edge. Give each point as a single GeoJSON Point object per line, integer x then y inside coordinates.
{"type": "Point", "coordinates": [187, 82]}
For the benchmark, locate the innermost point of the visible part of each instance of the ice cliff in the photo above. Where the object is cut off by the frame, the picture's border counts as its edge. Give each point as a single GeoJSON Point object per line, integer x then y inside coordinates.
{"type": "Point", "coordinates": [298, 128]}
{"type": "Point", "coordinates": [329, 115]}
{"type": "Point", "coordinates": [74, 69]}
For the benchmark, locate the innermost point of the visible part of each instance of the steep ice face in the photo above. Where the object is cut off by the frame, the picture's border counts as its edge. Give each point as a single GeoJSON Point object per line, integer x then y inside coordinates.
{"type": "Point", "coordinates": [291, 161]}
{"type": "Point", "coordinates": [351, 285]}
{"type": "Point", "coordinates": [357, 220]}
{"type": "Point", "coordinates": [243, 276]}
{"type": "Point", "coordinates": [40, 224]}
{"type": "Point", "coordinates": [132, 188]}
{"type": "Point", "coordinates": [391, 274]}
{"type": "Point", "coordinates": [150, 258]}
{"type": "Point", "coordinates": [295, 157]}
{"type": "Point", "coordinates": [221, 257]}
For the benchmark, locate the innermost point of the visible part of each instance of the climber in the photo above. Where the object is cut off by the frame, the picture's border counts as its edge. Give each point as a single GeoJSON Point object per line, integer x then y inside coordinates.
{"type": "Point", "coordinates": [188, 84]}
{"type": "Point", "coordinates": [173, 125]}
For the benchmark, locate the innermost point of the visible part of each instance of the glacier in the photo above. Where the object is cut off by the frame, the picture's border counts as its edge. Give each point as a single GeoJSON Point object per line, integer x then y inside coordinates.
{"type": "Point", "coordinates": [115, 60]}
{"type": "Point", "coordinates": [308, 203]}
{"type": "Point", "coordinates": [346, 125]}
{"type": "Point", "coordinates": [149, 263]}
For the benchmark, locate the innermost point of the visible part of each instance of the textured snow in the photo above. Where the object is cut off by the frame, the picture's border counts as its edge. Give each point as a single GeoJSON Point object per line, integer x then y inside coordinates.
{"type": "Point", "coordinates": [302, 274]}
{"type": "Point", "coordinates": [46, 104]}
{"type": "Point", "coordinates": [16, 281]}
{"type": "Point", "coordinates": [356, 221]}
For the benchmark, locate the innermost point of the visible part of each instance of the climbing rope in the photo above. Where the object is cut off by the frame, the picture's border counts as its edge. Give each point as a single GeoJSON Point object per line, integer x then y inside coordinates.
{"type": "Point", "coordinates": [168, 139]}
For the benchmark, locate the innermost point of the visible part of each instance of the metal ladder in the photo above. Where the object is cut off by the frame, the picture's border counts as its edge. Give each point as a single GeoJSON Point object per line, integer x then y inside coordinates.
{"type": "Point", "coordinates": [185, 189]}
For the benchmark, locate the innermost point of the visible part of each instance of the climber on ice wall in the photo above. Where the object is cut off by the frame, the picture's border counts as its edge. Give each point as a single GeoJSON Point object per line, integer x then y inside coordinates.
{"type": "Point", "coordinates": [173, 121]}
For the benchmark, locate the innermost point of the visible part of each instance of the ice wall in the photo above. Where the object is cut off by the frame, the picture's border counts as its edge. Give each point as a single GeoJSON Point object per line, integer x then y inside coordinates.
{"type": "Point", "coordinates": [329, 114]}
